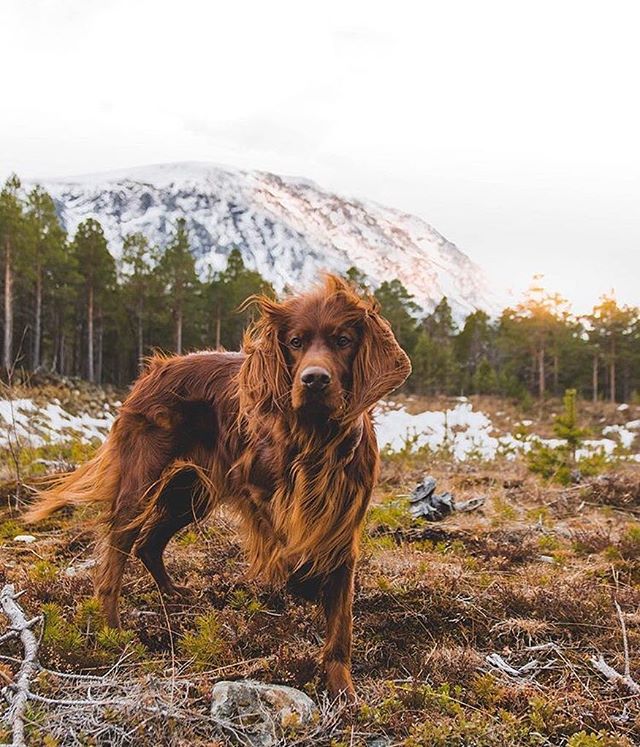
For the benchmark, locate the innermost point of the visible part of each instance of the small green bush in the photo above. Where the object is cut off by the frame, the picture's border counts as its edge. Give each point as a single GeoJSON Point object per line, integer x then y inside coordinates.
{"type": "Point", "coordinates": [205, 644]}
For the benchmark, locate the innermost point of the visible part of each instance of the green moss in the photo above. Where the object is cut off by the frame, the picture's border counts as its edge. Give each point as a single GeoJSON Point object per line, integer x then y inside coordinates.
{"type": "Point", "coordinates": [548, 543]}
{"type": "Point", "coordinates": [205, 644]}
{"type": "Point", "coordinates": [43, 572]}
{"type": "Point", "coordinates": [112, 640]}
{"type": "Point", "coordinates": [383, 542]}
{"type": "Point", "coordinates": [188, 538]}
{"type": "Point", "coordinates": [629, 545]}
{"type": "Point", "coordinates": [85, 640]}
{"type": "Point", "coordinates": [391, 513]}
{"type": "Point", "coordinates": [240, 599]}
{"type": "Point", "coordinates": [60, 636]}
{"type": "Point", "coordinates": [88, 616]}
{"type": "Point", "coordinates": [590, 739]}
{"type": "Point", "coordinates": [9, 529]}
{"type": "Point", "coordinates": [539, 514]}
{"type": "Point", "coordinates": [503, 511]}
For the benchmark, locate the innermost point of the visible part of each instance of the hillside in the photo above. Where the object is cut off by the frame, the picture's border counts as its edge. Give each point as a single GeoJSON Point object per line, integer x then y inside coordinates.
{"type": "Point", "coordinates": [287, 228]}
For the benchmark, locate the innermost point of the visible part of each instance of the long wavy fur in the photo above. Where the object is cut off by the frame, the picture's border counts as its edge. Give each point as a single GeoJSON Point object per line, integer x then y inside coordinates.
{"type": "Point", "coordinates": [96, 481]}
{"type": "Point", "coordinates": [224, 418]}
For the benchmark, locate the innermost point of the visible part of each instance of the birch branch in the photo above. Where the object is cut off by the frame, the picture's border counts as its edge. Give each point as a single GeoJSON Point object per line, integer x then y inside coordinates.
{"type": "Point", "coordinates": [17, 694]}
{"type": "Point", "coordinates": [614, 676]}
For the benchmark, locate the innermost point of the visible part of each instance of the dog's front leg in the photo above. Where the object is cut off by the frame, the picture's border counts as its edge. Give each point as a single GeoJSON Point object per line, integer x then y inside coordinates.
{"type": "Point", "coordinates": [337, 601]}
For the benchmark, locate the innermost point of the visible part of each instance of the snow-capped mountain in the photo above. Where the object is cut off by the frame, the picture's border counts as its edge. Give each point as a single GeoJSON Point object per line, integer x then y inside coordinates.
{"type": "Point", "coordinates": [289, 229]}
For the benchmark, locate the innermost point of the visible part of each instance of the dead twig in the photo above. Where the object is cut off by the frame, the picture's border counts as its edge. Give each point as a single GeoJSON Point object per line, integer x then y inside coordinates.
{"type": "Point", "coordinates": [609, 672]}
{"type": "Point", "coordinates": [17, 694]}
{"type": "Point", "coordinates": [614, 676]}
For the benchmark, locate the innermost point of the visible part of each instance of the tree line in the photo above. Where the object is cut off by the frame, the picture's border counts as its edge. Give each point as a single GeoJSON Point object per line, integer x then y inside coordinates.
{"type": "Point", "coordinates": [70, 308]}
{"type": "Point", "coordinates": [537, 348]}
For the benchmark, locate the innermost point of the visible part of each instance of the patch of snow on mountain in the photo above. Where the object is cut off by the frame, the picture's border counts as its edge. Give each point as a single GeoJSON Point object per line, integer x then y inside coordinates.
{"type": "Point", "coordinates": [287, 228]}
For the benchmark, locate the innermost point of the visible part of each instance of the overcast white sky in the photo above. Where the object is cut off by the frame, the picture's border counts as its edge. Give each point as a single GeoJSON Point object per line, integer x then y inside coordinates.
{"type": "Point", "coordinates": [512, 127]}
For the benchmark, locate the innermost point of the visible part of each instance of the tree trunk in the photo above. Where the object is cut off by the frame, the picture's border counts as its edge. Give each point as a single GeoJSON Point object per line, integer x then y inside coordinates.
{"type": "Point", "coordinates": [90, 370]}
{"type": "Point", "coordinates": [100, 348]}
{"type": "Point", "coordinates": [541, 375]}
{"type": "Point", "coordinates": [62, 360]}
{"type": "Point", "coordinates": [140, 336]}
{"type": "Point", "coordinates": [612, 380]}
{"type": "Point", "coordinates": [7, 355]}
{"type": "Point", "coordinates": [218, 322]}
{"type": "Point", "coordinates": [556, 373]}
{"type": "Point", "coordinates": [612, 373]}
{"type": "Point", "coordinates": [179, 331]}
{"type": "Point", "coordinates": [595, 378]}
{"type": "Point", "coordinates": [37, 332]}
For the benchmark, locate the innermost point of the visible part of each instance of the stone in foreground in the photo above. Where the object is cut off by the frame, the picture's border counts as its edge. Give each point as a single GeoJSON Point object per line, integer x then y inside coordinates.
{"type": "Point", "coordinates": [258, 714]}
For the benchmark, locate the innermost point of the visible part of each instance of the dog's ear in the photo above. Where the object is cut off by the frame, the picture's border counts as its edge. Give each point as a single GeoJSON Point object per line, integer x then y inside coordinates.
{"type": "Point", "coordinates": [380, 364]}
{"type": "Point", "coordinates": [264, 377]}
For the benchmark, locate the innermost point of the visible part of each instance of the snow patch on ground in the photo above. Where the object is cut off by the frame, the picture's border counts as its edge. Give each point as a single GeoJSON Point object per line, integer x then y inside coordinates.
{"type": "Point", "coordinates": [460, 430]}
{"type": "Point", "coordinates": [24, 422]}
{"type": "Point", "coordinates": [466, 433]}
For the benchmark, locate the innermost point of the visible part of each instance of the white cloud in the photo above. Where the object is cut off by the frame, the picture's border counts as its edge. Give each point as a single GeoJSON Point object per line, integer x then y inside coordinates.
{"type": "Point", "coordinates": [511, 127]}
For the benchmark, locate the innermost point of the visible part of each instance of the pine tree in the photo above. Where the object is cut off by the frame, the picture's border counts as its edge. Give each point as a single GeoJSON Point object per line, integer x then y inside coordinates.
{"type": "Point", "coordinates": [226, 292]}
{"type": "Point", "coordinates": [566, 425]}
{"type": "Point", "coordinates": [474, 344]}
{"type": "Point", "coordinates": [97, 270]}
{"type": "Point", "coordinates": [137, 263]}
{"type": "Point", "coordinates": [177, 266]}
{"type": "Point", "coordinates": [12, 236]}
{"type": "Point", "coordinates": [611, 328]}
{"type": "Point", "coordinates": [47, 246]}
{"type": "Point", "coordinates": [434, 366]}
{"type": "Point", "coordinates": [439, 323]}
{"type": "Point", "coordinates": [400, 309]}
{"type": "Point", "coordinates": [533, 325]}
{"type": "Point", "coordinates": [484, 380]}
{"type": "Point", "coordinates": [358, 280]}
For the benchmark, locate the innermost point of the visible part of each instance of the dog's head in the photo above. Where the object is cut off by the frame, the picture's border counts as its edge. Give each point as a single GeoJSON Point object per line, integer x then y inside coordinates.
{"type": "Point", "coordinates": [324, 355]}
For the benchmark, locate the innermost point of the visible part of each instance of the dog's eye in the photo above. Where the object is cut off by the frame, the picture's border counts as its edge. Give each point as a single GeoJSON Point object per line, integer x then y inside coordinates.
{"type": "Point", "coordinates": [342, 341]}
{"type": "Point", "coordinates": [296, 342]}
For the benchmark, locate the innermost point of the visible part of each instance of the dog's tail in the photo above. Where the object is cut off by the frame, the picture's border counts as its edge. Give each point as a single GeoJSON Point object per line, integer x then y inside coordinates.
{"type": "Point", "coordinates": [95, 481]}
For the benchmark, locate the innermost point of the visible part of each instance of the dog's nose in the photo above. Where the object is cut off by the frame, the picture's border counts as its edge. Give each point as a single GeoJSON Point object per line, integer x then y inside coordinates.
{"type": "Point", "coordinates": [315, 378]}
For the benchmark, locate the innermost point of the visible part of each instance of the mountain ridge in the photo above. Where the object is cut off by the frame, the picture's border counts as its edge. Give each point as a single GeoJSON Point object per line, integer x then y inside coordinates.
{"type": "Point", "coordinates": [288, 228]}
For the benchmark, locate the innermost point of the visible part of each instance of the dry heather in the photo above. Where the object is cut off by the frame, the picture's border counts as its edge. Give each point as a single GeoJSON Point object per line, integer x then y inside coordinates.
{"type": "Point", "coordinates": [478, 630]}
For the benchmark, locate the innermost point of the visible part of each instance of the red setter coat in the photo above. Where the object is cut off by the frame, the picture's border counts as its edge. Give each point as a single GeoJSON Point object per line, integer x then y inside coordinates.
{"type": "Point", "coordinates": [280, 433]}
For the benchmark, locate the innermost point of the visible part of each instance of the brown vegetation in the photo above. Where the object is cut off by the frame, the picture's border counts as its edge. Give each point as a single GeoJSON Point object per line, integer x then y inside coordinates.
{"type": "Point", "coordinates": [535, 577]}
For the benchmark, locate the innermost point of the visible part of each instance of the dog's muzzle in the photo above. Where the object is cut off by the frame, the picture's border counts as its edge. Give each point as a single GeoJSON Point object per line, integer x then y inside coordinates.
{"type": "Point", "coordinates": [315, 378]}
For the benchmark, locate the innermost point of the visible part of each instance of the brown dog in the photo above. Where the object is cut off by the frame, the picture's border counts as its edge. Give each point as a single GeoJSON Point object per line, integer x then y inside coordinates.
{"type": "Point", "coordinates": [280, 433]}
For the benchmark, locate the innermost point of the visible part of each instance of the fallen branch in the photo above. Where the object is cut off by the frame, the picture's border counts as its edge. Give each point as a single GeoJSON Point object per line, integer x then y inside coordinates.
{"type": "Point", "coordinates": [496, 661]}
{"type": "Point", "coordinates": [17, 694]}
{"type": "Point", "coordinates": [614, 676]}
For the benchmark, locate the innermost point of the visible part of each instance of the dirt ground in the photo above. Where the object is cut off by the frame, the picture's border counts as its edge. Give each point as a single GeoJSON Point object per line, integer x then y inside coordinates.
{"type": "Point", "coordinates": [481, 629]}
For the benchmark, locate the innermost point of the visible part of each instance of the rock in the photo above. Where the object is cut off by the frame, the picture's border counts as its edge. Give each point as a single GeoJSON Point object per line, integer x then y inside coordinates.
{"type": "Point", "coordinates": [426, 504]}
{"type": "Point", "coordinates": [547, 559]}
{"type": "Point", "coordinates": [80, 567]}
{"type": "Point", "coordinates": [255, 713]}
{"type": "Point", "coordinates": [26, 538]}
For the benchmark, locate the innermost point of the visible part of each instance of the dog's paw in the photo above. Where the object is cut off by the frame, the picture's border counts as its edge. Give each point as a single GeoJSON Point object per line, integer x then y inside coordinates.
{"type": "Point", "coordinates": [339, 682]}
{"type": "Point", "coordinates": [178, 594]}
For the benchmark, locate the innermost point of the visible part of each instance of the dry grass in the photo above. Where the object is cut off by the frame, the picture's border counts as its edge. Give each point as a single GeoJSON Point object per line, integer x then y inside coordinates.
{"type": "Point", "coordinates": [533, 576]}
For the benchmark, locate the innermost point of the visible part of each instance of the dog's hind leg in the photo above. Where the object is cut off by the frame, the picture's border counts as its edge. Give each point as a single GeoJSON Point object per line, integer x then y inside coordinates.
{"type": "Point", "coordinates": [144, 453]}
{"type": "Point", "coordinates": [113, 551]}
{"type": "Point", "coordinates": [183, 500]}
